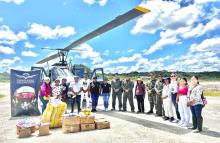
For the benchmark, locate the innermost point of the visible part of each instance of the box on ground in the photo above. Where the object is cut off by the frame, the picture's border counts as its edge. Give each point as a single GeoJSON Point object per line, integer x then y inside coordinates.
{"type": "Point", "coordinates": [102, 124]}
{"type": "Point", "coordinates": [87, 127]}
{"type": "Point", "coordinates": [70, 119]}
{"type": "Point", "coordinates": [44, 129]}
{"type": "Point", "coordinates": [87, 119]}
{"type": "Point", "coordinates": [23, 132]}
{"type": "Point", "coordinates": [71, 129]}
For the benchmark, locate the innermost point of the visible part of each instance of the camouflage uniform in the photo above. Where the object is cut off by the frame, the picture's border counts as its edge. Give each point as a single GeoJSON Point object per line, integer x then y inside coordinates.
{"type": "Point", "coordinates": [128, 85]}
{"type": "Point", "coordinates": [116, 92]}
{"type": "Point", "coordinates": [152, 95]}
{"type": "Point", "coordinates": [159, 102]}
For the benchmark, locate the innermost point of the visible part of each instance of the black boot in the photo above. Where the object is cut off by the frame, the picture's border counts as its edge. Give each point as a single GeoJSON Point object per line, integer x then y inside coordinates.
{"type": "Point", "coordinates": [151, 111]}
{"type": "Point", "coordinates": [194, 121]}
{"type": "Point", "coordinates": [199, 123]}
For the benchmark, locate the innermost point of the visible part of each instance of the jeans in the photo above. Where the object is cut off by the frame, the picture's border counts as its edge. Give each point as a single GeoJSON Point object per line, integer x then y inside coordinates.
{"type": "Point", "coordinates": [76, 100]}
{"type": "Point", "coordinates": [106, 99]}
{"type": "Point", "coordinates": [197, 111]}
{"type": "Point", "coordinates": [44, 102]}
{"type": "Point", "coordinates": [175, 105]}
{"type": "Point", "coordinates": [95, 99]}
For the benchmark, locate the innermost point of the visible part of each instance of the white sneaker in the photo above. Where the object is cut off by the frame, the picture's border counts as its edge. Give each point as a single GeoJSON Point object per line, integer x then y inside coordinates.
{"type": "Point", "coordinates": [106, 109]}
{"type": "Point", "coordinates": [175, 121]}
{"type": "Point", "coordinates": [185, 125]}
{"type": "Point", "coordinates": [180, 123]}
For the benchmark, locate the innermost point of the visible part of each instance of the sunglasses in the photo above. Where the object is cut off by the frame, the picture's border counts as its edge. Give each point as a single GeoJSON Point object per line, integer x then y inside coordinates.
{"type": "Point", "coordinates": [173, 76]}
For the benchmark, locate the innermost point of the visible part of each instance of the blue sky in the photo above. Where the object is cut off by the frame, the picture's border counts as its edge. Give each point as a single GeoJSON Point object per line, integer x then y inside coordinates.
{"type": "Point", "coordinates": [171, 37]}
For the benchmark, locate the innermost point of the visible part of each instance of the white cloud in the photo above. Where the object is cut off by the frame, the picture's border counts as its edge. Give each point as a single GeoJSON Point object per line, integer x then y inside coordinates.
{"type": "Point", "coordinates": [100, 2]}
{"type": "Point", "coordinates": [131, 50]}
{"type": "Point", "coordinates": [28, 45]}
{"type": "Point", "coordinates": [160, 44]}
{"type": "Point", "coordinates": [202, 29]}
{"type": "Point", "coordinates": [18, 2]}
{"type": "Point", "coordinates": [106, 52]}
{"type": "Point", "coordinates": [6, 63]}
{"type": "Point", "coordinates": [204, 1]}
{"type": "Point", "coordinates": [7, 36]}
{"type": "Point", "coordinates": [1, 19]}
{"type": "Point", "coordinates": [212, 44]}
{"type": "Point", "coordinates": [29, 54]}
{"type": "Point", "coordinates": [89, 53]}
{"type": "Point", "coordinates": [46, 32]}
{"type": "Point", "coordinates": [6, 50]}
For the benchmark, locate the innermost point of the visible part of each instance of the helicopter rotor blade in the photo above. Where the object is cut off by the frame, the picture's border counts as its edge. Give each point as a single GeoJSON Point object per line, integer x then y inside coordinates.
{"type": "Point", "coordinates": [121, 19]}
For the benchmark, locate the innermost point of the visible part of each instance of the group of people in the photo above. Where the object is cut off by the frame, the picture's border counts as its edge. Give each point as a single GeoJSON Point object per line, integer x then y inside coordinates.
{"type": "Point", "coordinates": [173, 99]}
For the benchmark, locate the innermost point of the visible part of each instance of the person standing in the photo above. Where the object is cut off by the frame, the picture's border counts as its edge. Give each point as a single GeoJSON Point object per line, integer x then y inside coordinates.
{"type": "Point", "coordinates": [64, 90]}
{"type": "Point", "coordinates": [173, 90]}
{"type": "Point", "coordinates": [116, 92]}
{"type": "Point", "coordinates": [140, 95]}
{"type": "Point", "coordinates": [105, 92]}
{"type": "Point", "coordinates": [94, 91]}
{"type": "Point", "coordinates": [57, 89]}
{"type": "Point", "coordinates": [85, 82]}
{"type": "Point", "coordinates": [45, 93]}
{"type": "Point", "coordinates": [159, 102]}
{"type": "Point", "coordinates": [167, 101]}
{"type": "Point", "coordinates": [182, 103]}
{"type": "Point", "coordinates": [75, 88]}
{"type": "Point", "coordinates": [128, 86]}
{"type": "Point", "coordinates": [152, 93]}
{"type": "Point", "coordinates": [196, 102]}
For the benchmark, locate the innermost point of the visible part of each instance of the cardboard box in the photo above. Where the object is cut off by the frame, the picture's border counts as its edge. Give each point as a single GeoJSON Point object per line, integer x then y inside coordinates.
{"type": "Point", "coordinates": [23, 132]}
{"type": "Point", "coordinates": [70, 119]}
{"type": "Point", "coordinates": [44, 129]}
{"type": "Point", "coordinates": [33, 129]}
{"type": "Point", "coordinates": [87, 119]}
{"type": "Point", "coordinates": [71, 129]}
{"type": "Point", "coordinates": [87, 127]}
{"type": "Point", "coordinates": [102, 124]}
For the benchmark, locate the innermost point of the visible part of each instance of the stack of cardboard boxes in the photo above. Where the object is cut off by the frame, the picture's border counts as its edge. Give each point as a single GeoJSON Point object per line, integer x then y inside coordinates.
{"type": "Point", "coordinates": [75, 123]}
{"type": "Point", "coordinates": [71, 123]}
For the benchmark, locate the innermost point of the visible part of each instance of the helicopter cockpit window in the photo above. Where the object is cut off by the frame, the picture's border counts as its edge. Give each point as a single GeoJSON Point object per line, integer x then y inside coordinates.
{"type": "Point", "coordinates": [67, 72]}
{"type": "Point", "coordinates": [56, 72]}
{"type": "Point", "coordinates": [99, 74]}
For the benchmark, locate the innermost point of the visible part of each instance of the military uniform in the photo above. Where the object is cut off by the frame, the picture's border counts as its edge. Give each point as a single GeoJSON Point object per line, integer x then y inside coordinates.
{"type": "Point", "coordinates": [116, 92]}
{"type": "Point", "coordinates": [158, 88]}
{"type": "Point", "coordinates": [128, 86]}
{"type": "Point", "coordinates": [152, 95]}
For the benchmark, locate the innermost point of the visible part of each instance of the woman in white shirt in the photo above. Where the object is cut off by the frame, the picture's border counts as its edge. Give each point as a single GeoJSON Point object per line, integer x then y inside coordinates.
{"type": "Point", "coordinates": [167, 101]}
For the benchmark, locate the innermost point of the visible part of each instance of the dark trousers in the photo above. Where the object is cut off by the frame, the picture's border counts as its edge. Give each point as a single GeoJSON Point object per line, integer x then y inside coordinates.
{"type": "Point", "coordinates": [140, 103]}
{"type": "Point", "coordinates": [119, 95]}
{"type": "Point", "coordinates": [95, 99]}
{"type": "Point", "coordinates": [175, 105]}
{"type": "Point", "coordinates": [44, 102]}
{"type": "Point", "coordinates": [76, 100]}
{"type": "Point", "coordinates": [129, 97]}
{"type": "Point", "coordinates": [159, 104]}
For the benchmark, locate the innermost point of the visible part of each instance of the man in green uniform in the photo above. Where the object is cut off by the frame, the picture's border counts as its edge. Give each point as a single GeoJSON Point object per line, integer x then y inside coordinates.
{"type": "Point", "coordinates": [159, 88]}
{"type": "Point", "coordinates": [128, 86]}
{"type": "Point", "coordinates": [152, 93]}
{"type": "Point", "coordinates": [116, 92]}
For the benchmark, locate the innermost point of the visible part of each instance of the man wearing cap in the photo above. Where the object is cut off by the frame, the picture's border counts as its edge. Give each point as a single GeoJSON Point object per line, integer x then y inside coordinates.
{"type": "Point", "coordinates": [105, 92]}
{"type": "Point", "coordinates": [94, 91]}
{"type": "Point", "coordinates": [75, 88]}
{"type": "Point", "coordinates": [159, 88]}
{"type": "Point", "coordinates": [152, 93]}
{"type": "Point", "coordinates": [116, 92]}
{"type": "Point", "coordinates": [85, 82]}
{"type": "Point", "coordinates": [128, 86]}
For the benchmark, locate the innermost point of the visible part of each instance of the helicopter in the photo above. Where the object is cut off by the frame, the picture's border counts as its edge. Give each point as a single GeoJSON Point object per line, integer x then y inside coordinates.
{"type": "Point", "coordinates": [61, 69]}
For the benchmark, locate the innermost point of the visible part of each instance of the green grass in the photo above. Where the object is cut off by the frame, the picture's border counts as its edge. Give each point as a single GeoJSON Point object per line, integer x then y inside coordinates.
{"type": "Point", "coordinates": [211, 93]}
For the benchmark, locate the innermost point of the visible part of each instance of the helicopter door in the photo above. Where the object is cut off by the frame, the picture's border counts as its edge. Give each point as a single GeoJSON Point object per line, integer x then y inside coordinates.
{"type": "Point", "coordinates": [99, 73]}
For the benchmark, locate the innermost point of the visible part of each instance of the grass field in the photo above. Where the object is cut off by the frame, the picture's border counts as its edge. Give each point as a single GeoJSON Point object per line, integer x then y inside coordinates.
{"type": "Point", "coordinates": [211, 93]}
{"type": "Point", "coordinates": [2, 95]}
